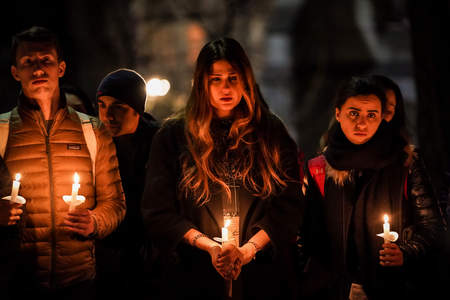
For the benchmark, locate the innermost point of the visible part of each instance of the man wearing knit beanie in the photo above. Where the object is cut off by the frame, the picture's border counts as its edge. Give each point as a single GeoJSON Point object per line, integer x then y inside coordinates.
{"type": "Point", "coordinates": [121, 257]}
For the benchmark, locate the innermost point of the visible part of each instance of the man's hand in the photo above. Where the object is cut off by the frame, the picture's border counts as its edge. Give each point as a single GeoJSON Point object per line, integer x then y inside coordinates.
{"type": "Point", "coordinates": [391, 255]}
{"type": "Point", "coordinates": [80, 221]}
{"type": "Point", "coordinates": [10, 212]}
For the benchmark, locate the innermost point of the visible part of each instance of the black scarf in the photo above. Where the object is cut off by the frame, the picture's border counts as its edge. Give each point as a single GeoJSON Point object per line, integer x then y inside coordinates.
{"type": "Point", "coordinates": [379, 176]}
{"type": "Point", "coordinates": [381, 150]}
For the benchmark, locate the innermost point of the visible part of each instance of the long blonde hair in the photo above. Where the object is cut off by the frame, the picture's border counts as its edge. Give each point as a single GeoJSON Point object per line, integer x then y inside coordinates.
{"type": "Point", "coordinates": [248, 132]}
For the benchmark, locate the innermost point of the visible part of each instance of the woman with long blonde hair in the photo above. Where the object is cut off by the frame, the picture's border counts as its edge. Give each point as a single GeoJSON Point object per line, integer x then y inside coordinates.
{"type": "Point", "coordinates": [226, 154]}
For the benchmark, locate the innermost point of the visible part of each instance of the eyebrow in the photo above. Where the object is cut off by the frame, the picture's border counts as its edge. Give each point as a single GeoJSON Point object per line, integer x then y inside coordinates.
{"type": "Point", "coordinates": [370, 110]}
{"type": "Point", "coordinates": [219, 74]}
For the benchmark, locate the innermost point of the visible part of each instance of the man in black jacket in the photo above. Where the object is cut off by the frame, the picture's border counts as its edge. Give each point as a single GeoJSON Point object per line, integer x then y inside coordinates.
{"type": "Point", "coordinates": [124, 256]}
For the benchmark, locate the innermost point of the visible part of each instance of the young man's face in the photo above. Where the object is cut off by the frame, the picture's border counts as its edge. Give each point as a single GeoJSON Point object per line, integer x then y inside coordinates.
{"type": "Point", "coordinates": [117, 116]}
{"type": "Point", "coordinates": [38, 69]}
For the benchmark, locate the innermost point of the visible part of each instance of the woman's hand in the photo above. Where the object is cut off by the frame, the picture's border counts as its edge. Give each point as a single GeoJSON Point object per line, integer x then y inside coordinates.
{"type": "Point", "coordinates": [391, 255]}
{"type": "Point", "coordinates": [230, 260]}
{"type": "Point", "coordinates": [214, 252]}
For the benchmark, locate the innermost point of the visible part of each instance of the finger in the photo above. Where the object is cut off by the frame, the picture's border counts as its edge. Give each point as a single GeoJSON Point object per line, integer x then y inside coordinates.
{"type": "Point", "coordinates": [16, 211]}
{"type": "Point", "coordinates": [79, 213]}
{"type": "Point", "coordinates": [80, 226]}
{"type": "Point", "coordinates": [14, 218]}
{"type": "Point", "coordinates": [77, 219]}
{"type": "Point", "coordinates": [76, 230]}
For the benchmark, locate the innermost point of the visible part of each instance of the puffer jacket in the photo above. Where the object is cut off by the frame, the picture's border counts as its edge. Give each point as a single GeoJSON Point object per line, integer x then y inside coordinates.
{"type": "Point", "coordinates": [47, 161]}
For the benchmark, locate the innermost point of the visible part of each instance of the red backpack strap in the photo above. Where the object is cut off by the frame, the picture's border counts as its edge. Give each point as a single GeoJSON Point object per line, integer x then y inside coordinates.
{"type": "Point", "coordinates": [405, 187]}
{"type": "Point", "coordinates": [316, 168]}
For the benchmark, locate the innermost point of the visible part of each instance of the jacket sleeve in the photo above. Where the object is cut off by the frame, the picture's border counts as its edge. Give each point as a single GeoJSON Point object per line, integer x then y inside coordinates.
{"type": "Point", "coordinates": [161, 209]}
{"type": "Point", "coordinates": [5, 179]}
{"type": "Point", "coordinates": [284, 210]}
{"type": "Point", "coordinates": [424, 235]}
{"type": "Point", "coordinates": [110, 199]}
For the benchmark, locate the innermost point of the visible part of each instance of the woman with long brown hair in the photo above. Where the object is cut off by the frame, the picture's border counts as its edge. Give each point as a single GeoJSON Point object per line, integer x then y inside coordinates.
{"type": "Point", "coordinates": [225, 157]}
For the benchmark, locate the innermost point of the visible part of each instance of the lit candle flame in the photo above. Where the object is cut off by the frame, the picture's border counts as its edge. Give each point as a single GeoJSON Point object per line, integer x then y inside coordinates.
{"type": "Point", "coordinates": [227, 223]}
{"type": "Point", "coordinates": [386, 218]}
{"type": "Point", "coordinates": [17, 176]}
{"type": "Point", "coordinates": [76, 178]}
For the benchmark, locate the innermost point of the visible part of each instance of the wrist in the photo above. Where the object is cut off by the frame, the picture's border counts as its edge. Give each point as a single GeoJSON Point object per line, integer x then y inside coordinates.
{"type": "Point", "coordinates": [249, 252]}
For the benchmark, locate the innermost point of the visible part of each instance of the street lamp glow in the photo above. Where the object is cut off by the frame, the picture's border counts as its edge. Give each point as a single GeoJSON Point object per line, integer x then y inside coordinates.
{"type": "Point", "coordinates": [157, 87]}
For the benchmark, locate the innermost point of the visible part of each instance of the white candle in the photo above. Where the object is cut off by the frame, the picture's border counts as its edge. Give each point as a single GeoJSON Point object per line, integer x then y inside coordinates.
{"type": "Point", "coordinates": [224, 234]}
{"type": "Point", "coordinates": [386, 229]}
{"type": "Point", "coordinates": [75, 187]}
{"type": "Point", "coordinates": [225, 237]}
{"type": "Point", "coordinates": [15, 187]}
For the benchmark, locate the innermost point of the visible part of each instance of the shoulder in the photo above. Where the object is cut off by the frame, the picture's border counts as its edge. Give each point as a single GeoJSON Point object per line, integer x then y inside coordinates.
{"type": "Point", "coordinates": [170, 134]}
{"type": "Point", "coordinates": [172, 125]}
{"type": "Point", "coordinates": [84, 118]}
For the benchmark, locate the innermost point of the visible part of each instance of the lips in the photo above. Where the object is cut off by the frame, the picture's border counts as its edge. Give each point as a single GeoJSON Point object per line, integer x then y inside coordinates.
{"type": "Point", "coordinates": [360, 133]}
{"type": "Point", "coordinates": [39, 81]}
{"type": "Point", "coordinates": [226, 98]}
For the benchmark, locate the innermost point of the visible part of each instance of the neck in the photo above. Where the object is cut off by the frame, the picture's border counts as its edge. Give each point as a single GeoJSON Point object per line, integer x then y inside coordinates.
{"type": "Point", "coordinates": [48, 104]}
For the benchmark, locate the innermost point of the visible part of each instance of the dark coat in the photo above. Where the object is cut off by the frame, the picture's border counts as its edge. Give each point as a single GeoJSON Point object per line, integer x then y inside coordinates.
{"type": "Point", "coordinates": [124, 256]}
{"type": "Point", "coordinates": [328, 233]}
{"type": "Point", "coordinates": [168, 215]}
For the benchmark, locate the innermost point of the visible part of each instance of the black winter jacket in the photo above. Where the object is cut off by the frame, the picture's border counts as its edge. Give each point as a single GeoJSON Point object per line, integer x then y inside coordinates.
{"type": "Point", "coordinates": [328, 235]}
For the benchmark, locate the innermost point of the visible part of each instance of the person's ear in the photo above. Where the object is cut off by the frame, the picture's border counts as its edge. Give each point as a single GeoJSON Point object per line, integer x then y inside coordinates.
{"type": "Point", "coordinates": [61, 68]}
{"type": "Point", "coordinates": [14, 73]}
{"type": "Point", "coordinates": [338, 114]}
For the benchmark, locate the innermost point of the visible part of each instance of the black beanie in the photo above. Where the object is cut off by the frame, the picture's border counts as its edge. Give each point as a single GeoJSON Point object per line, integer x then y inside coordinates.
{"type": "Point", "coordinates": [127, 86]}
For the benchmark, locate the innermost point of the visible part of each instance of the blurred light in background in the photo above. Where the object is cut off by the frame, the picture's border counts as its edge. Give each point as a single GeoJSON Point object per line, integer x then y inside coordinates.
{"type": "Point", "coordinates": [157, 87]}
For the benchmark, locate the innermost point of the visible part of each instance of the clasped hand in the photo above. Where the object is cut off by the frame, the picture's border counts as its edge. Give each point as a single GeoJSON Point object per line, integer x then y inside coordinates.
{"type": "Point", "coordinates": [228, 260]}
{"type": "Point", "coordinates": [79, 221]}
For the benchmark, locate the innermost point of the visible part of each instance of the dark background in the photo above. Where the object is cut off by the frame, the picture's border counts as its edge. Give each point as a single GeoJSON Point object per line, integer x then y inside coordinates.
{"type": "Point", "coordinates": [299, 49]}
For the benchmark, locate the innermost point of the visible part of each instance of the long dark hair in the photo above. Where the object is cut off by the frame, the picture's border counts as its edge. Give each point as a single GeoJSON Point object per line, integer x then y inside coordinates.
{"type": "Point", "coordinates": [246, 134]}
{"type": "Point", "coordinates": [399, 120]}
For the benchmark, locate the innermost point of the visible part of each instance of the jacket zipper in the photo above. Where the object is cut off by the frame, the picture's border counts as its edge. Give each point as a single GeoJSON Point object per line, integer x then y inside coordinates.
{"type": "Point", "coordinates": [52, 208]}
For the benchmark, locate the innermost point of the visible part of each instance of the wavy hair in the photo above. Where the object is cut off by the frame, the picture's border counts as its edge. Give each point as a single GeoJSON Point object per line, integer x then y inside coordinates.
{"type": "Point", "coordinates": [201, 169]}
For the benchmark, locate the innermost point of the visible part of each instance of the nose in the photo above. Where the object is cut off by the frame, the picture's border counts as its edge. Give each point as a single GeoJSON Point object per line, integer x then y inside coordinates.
{"type": "Point", "coordinates": [109, 114]}
{"type": "Point", "coordinates": [361, 124]}
{"type": "Point", "coordinates": [226, 87]}
{"type": "Point", "coordinates": [38, 70]}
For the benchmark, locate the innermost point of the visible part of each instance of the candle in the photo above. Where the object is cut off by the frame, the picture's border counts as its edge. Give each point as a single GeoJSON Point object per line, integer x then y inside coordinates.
{"type": "Point", "coordinates": [386, 229]}
{"type": "Point", "coordinates": [224, 234]}
{"type": "Point", "coordinates": [15, 188]}
{"type": "Point", "coordinates": [225, 231]}
{"type": "Point", "coordinates": [75, 187]}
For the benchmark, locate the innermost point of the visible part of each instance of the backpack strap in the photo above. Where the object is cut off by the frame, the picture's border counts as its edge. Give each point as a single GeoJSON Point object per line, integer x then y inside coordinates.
{"type": "Point", "coordinates": [4, 132]}
{"type": "Point", "coordinates": [87, 124]}
{"type": "Point", "coordinates": [316, 168]}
